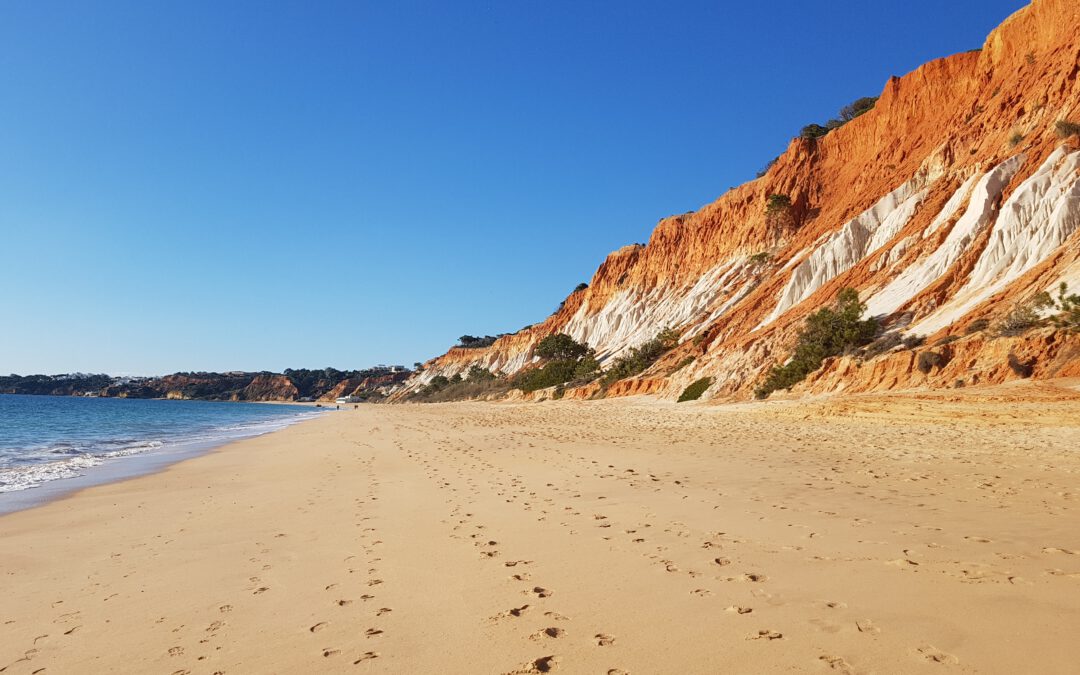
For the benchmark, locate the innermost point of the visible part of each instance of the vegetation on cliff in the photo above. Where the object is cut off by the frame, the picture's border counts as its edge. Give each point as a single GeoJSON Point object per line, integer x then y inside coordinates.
{"type": "Point", "coordinates": [830, 331]}
{"type": "Point", "coordinates": [641, 357]}
{"type": "Point", "coordinates": [695, 389]}
{"type": "Point", "coordinates": [566, 360]}
{"type": "Point", "coordinates": [847, 113]}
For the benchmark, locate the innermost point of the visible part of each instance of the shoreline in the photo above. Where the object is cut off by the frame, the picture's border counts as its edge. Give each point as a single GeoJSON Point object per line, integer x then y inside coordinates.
{"type": "Point", "coordinates": [126, 467]}
{"type": "Point", "coordinates": [871, 533]}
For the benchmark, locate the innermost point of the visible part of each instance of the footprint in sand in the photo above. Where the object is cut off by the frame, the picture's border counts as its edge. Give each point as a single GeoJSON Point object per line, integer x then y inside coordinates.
{"type": "Point", "coordinates": [739, 610]}
{"type": "Point", "coordinates": [331, 652]}
{"type": "Point", "coordinates": [372, 632]}
{"type": "Point", "coordinates": [935, 655]}
{"type": "Point", "coordinates": [867, 626]}
{"type": "Point", "coordinates": [366, 656]}
{"type": "Point", "coordinates": [837, 663]}
{"type": "Point", "coordinates": [544, 664]}
{"type": "Point", "coordinates": [542, 592]}
{"type": "Point", "coordinates": [317, 627]}
{"type": "Point", "coordinates": [550, 632]}
{"type": "Point", "coordinates": [603, 639]}
{"type": "Point", "coordinates": [766, 634]}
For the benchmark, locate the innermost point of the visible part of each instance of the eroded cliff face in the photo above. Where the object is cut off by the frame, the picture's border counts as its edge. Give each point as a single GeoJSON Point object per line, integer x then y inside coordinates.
{"type": "Point", "coordinates": [948, 202]}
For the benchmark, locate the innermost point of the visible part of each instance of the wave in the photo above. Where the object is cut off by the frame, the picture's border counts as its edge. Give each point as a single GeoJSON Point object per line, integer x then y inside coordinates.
{"type": "Point", "coordinates": [31, 467]}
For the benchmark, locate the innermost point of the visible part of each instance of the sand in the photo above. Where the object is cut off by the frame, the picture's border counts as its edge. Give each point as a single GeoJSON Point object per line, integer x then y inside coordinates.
{"type": "Point", "coordinates": [886, 534]}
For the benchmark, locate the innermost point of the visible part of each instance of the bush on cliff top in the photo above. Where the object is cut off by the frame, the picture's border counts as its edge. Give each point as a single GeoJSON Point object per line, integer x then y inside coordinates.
{"type": "Point", "coordinates": [847, 113]}
{"type": "Point", "coordinates": [830, 331]}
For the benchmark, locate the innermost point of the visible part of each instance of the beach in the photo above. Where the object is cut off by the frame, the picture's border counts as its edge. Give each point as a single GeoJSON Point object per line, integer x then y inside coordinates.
{"type": "Point", "coordinates": [898, 533]}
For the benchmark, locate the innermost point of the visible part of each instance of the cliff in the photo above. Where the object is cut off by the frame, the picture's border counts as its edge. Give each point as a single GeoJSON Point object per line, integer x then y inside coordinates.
{"type": "Point", "coordinates": [955, 197]}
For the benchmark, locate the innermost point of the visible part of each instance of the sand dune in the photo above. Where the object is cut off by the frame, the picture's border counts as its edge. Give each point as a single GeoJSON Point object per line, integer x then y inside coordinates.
{"type": "Point", "coordinates": [885, 534]}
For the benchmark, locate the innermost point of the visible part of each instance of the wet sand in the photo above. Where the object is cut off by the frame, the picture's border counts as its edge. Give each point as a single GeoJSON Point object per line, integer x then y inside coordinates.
{"type": "Point", "coordinates": [886, 534]}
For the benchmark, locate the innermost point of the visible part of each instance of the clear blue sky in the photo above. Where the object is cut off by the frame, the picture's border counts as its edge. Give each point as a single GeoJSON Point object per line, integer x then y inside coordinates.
{"type": "Point", "coordinates": [261, 185]}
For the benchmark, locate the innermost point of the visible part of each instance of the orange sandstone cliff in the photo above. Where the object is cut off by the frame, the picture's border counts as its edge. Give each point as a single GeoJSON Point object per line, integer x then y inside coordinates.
{"type": "Point", "coordinates": [951, 200]}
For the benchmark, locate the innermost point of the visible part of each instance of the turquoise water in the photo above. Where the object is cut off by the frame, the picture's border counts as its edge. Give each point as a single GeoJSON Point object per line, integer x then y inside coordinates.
{"type": "Point", "coordinates": [47, 441]}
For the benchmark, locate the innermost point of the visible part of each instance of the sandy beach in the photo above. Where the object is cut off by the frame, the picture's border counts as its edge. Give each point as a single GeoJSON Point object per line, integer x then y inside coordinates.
{"type": "Point", "coordinates": [886, 534]}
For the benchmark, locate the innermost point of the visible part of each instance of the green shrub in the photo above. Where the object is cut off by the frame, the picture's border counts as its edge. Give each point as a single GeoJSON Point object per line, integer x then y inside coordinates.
{"type": "Point", "coordinates": [684, 363]}
{"type": "Point", "coordinates": [580, 287]}
{"type": "Point", "coordinates": [1023, 316]}
{"type": "Point", "coordinates": [913, 341]}
{"type": "Point", "coordinates": [567, 361]}
{"type": "Point", "coordinates": [812, 131]}
{"type": "Point", "coordinates": [927, 361]}
{"type": "Point", "coordinates": [641, 357]}
{"type": "Point", "coordinates": [1068, 309]}
{"type": "Point", "coordinates": [478, 374]}
{"type": "Point", "coordinates": [695, 389]}
{"type": "Point", "coordinates": [760, 258]}
{"type": "Point", "coordinates": [1015, 139]}
{"type": "Point", "coordinates": [474, 342]}
{"type": "Point", "coordinates": [884, 344]}
{"type": "Point", "coordinates": [765, 169]}
{"type": "Point", "coordinates": [977, 326]}
{"type": "Point", "coordinates": [548, 375]}
{"type": "Point", "coordinates": [1065, 128]}
{"type": "Point", "coordinates": [830, 331]}
{"type": "Point", "coordinates": [857, 107]}
{"type": "Point", "coordinates": [587, 367]}
{"type": "Point", "coordinates": [777, 203]}
{"type": "Point", "coordinates": [847, 113]}
{"type": "Point", "coordinates": [560, 346]}
{"type": "Point", "coordinates": [466, 389]}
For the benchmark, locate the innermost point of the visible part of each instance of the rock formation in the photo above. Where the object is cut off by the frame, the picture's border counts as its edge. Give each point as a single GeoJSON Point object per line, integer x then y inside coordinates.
{"type": "Point", "coordinates": [957, 196]}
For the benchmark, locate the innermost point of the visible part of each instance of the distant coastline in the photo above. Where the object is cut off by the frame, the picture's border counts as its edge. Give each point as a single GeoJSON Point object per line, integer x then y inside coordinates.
{"type": "Point", "coordinates": [292, 386]}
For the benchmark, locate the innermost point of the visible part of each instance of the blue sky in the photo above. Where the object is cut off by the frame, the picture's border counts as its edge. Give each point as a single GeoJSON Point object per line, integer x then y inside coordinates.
{"type": "Point", "coordinates": [262, 185]}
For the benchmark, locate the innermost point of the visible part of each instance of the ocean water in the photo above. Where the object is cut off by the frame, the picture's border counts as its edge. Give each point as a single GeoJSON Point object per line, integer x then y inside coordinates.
{"type": "Point", "coordinates": [51, 444]}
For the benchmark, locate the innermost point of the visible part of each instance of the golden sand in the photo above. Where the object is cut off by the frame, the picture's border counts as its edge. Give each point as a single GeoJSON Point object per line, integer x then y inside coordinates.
{"type": "Point", "coordinates": [886, 534]}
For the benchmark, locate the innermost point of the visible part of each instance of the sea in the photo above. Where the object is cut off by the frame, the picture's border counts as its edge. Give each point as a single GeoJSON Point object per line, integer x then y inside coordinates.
{"type": "Point", "coordinates": [51, 445]}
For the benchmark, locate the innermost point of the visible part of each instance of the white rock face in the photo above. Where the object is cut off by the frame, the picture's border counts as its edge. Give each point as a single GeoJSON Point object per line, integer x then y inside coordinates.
{"type": "Point", "coordinates": [978, 214]}
{"type": "Point", "coordinates": [860, 236]}
{"type": "Point", "coordinates": [1035, 220]}
{"type": "Point", "coordinates": [958, 199]}
{"type": "Point", "coordinates": [630, 318]}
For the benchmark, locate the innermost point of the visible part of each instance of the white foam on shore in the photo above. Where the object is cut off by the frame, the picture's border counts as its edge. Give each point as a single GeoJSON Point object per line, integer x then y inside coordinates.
{"type": "Point", "coordinates": [25, 476]}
